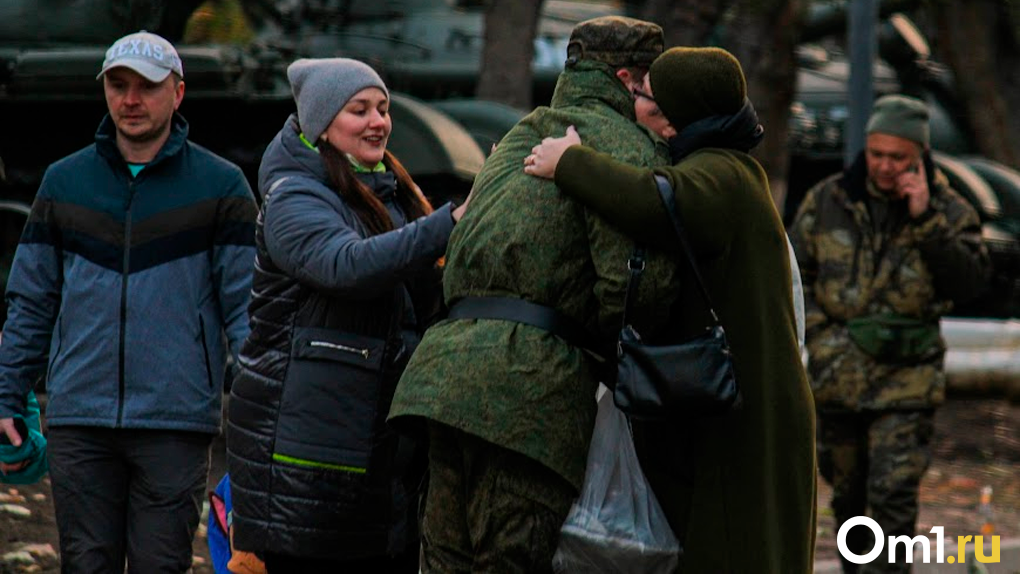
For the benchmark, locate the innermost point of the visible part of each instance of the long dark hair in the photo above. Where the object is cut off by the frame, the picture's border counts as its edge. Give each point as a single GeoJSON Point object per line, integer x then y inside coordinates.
{"type": "Point", "coordinates": [363, 200]}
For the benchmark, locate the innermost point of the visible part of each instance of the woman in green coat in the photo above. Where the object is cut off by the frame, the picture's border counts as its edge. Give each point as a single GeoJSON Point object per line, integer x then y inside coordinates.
{"type": "Point", "coordinates": [739, 490]}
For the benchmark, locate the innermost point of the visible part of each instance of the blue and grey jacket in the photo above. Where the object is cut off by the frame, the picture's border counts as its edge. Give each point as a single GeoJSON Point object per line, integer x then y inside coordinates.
{"type": "Point", "coordinates": [123, 288]}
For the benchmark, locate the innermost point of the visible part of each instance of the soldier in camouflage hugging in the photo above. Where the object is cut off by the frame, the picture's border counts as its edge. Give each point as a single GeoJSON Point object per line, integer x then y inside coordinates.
{"type": "Point", "coordinates": [886, 248]}
{"type": "Point", "coordinates": [510, 405]}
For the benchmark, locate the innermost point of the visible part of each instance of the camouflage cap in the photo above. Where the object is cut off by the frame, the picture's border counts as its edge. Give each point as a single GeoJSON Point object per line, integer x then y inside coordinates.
{"type": "Point", "coordinates": [615, 40]}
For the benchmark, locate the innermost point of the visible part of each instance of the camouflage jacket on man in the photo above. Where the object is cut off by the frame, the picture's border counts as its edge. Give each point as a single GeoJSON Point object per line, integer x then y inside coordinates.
{"type": "Point", "coordinates": [862, 254]}
{"type": "Point", "coordinates": [512, 384]}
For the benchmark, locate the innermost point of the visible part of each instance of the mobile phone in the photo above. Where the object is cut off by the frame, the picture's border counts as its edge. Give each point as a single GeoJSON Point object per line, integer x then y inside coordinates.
{"type": "Point", "coordinates": [20, 426]}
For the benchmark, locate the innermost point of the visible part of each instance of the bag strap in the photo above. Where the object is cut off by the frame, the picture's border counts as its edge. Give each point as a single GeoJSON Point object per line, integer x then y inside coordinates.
{"type": "Point", "coordinates": [669, 202]}
{"type": "Point", "coordinates": [521, 311]}
{"type": "Point", "coordinates": [636, 265]}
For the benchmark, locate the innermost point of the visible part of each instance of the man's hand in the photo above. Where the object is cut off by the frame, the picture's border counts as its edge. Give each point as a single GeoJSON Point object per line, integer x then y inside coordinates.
{"type": "Point", "coordinates": [7, 427]}
{"type": "Point", "coordinates": [545, 156]}
{"type": "Point", "coordinates": [11, 433]}
{"type": "Point", "coordinates": [459, 212]}
{"type": "Point", "coordinates": [913, 186]}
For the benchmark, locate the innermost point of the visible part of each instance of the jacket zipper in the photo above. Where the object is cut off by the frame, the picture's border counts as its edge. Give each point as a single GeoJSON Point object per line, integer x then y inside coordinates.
{"type": "Point", "coordinates": [123, 302]}
{"type": "Point", "coordinates": [205, 350]}
{"type": "Point", "coordinates": [363, 352]}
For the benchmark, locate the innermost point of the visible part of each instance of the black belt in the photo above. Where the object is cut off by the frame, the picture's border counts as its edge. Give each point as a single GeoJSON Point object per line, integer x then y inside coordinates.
{"type": "Point", "coordinates": [521, 311]}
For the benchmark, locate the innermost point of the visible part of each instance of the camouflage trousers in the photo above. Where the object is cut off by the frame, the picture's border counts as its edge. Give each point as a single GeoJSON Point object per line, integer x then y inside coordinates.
{"type": "Point", "coordinates": [489, 509]}
{"type": "Point", "coordinates": [874, 462]}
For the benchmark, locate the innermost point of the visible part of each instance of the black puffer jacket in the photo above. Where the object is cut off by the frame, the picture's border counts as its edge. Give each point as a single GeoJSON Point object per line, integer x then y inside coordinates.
{"type": "Point", "coordinates": [334, 314]}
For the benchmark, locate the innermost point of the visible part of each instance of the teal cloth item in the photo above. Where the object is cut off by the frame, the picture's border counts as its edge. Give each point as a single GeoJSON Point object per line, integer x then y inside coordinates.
{"type": "Point", "coordinates": [136, 168]}
{"type": "Point", "coordinates": [33, 448]}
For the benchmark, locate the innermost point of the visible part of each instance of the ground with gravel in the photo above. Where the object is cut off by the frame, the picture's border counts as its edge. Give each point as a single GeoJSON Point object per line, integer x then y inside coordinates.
{"type": "Point", "coordinates": [977, 445]}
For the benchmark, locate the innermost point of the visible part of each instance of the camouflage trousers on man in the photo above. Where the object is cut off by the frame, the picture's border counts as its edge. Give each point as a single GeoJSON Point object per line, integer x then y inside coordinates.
{"type": "Point", "coordinates": [489, 509]}
{"type": "Point", "coordinates": [874, 462]}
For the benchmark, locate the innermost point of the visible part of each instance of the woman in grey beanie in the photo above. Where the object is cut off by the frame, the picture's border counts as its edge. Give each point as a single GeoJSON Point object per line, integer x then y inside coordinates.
{"type": "Point", "coordinates": [347, 278]}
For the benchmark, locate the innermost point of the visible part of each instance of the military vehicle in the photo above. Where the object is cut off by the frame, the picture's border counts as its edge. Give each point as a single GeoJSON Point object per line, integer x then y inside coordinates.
{"type": "Point", "coordinates": [432, 49]}
{"type": "Point", "coordinates": [429, 53]}
{"type": "Point", "coordinates": [237, 95]}
{"type": "Point", "coordinates": [237, 98]}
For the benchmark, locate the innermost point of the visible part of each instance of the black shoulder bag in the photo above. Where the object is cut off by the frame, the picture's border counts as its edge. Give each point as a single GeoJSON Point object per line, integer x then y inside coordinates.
{"type": "Point", "coordinates": [693, 377]}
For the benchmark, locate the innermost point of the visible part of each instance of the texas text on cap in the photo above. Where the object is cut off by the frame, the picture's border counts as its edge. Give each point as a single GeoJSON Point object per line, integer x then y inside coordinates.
{"type": "Point", "coordinates": [146, 53]}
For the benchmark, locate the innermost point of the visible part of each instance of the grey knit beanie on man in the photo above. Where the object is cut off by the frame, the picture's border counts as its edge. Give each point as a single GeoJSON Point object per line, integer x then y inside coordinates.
{"type": "Point", "coordinates": [322, 87]}
{"type": "Point", "coordinates": [901, 116]}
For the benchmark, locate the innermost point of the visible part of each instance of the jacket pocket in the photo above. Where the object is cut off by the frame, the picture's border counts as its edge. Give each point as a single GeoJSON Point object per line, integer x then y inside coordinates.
{"type": "Point", "coordinates": [205, 350]}
{"type": "Point", "coordinates": [330, 401]}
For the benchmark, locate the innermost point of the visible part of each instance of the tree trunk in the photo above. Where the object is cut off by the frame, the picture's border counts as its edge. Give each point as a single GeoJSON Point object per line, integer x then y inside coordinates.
{"type": "Point", "coordinates": [684, 22]}
{"type": "Point", "coordinates": [986, 65]}
{"type": "Point", "coordinates": [763, 36]}
{"type": "Point", "coordinates": [510, 29]}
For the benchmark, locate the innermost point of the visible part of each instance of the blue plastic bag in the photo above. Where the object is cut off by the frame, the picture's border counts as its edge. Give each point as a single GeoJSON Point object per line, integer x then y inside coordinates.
{"type": "Point", "coordinates": [218, 531]}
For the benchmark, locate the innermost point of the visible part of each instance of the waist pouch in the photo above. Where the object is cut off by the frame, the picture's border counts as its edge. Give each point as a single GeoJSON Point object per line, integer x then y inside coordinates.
{"type": "Point", "coordinates": [893, 338]}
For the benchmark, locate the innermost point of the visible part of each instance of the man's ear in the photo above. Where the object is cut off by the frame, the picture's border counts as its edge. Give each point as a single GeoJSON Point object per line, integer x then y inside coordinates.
{"type": "Point", "coordinates": [178, 94]}
{"type": "Point", "coordinates": [628, 79]}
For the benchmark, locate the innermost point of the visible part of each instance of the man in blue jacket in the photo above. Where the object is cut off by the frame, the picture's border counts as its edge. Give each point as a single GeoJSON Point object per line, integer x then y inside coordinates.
{"type": "Point", "coordinates": [132, 272]}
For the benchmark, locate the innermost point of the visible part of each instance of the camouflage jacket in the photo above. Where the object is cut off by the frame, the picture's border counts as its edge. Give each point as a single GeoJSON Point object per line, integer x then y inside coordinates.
{"type": "Point", "coordinates": [856, 263]}
{"type": "Point", "coordinates": [512, 384]}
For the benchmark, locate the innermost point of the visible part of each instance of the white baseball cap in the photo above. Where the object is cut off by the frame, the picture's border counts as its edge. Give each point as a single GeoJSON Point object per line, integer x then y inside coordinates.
{"type": "Point", "coordinates": [150, 55]}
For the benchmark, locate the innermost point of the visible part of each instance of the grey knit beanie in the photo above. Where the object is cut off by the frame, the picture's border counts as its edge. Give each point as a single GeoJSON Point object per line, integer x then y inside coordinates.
{"type": "Point", "coordinates": [322, 86]}
{"type": "Point", "coordinates": [901, 116]}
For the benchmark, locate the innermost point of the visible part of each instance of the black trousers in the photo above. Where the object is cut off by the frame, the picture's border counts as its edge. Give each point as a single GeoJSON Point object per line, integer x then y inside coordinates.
{"type": "Point", "coordinates": [127, 494]}
{"type": "Point", "coordinates": [406, 563]}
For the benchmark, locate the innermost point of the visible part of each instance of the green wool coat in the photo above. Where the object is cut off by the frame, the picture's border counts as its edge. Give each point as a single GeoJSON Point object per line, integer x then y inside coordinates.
{"type": "Point", "coordinates": [738, 490]}
{"type": "Point", "coordinates": [511, 384]}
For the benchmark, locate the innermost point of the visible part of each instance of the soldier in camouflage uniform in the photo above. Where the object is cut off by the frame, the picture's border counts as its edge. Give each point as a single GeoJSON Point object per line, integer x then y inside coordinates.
{"type": "Point", "coordinates": [886, 248]}
{"type": "Point", "coordinates": [510, 406]}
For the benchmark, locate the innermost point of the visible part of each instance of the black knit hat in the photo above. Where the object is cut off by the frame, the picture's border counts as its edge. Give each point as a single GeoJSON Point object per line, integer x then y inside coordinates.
{"type": "Point", "coordinates": [690, 84]}
{"type": "Point", "coordinates": [615, 40]}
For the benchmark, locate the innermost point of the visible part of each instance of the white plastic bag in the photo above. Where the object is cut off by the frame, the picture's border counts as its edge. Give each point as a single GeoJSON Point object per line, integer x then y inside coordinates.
{"type": "Point", "coordinates": [616, 524]}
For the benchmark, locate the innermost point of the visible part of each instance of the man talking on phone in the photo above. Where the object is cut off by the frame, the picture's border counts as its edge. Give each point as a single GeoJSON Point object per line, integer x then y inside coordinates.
{"type": "Point", "coordinates": [885, 249]}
